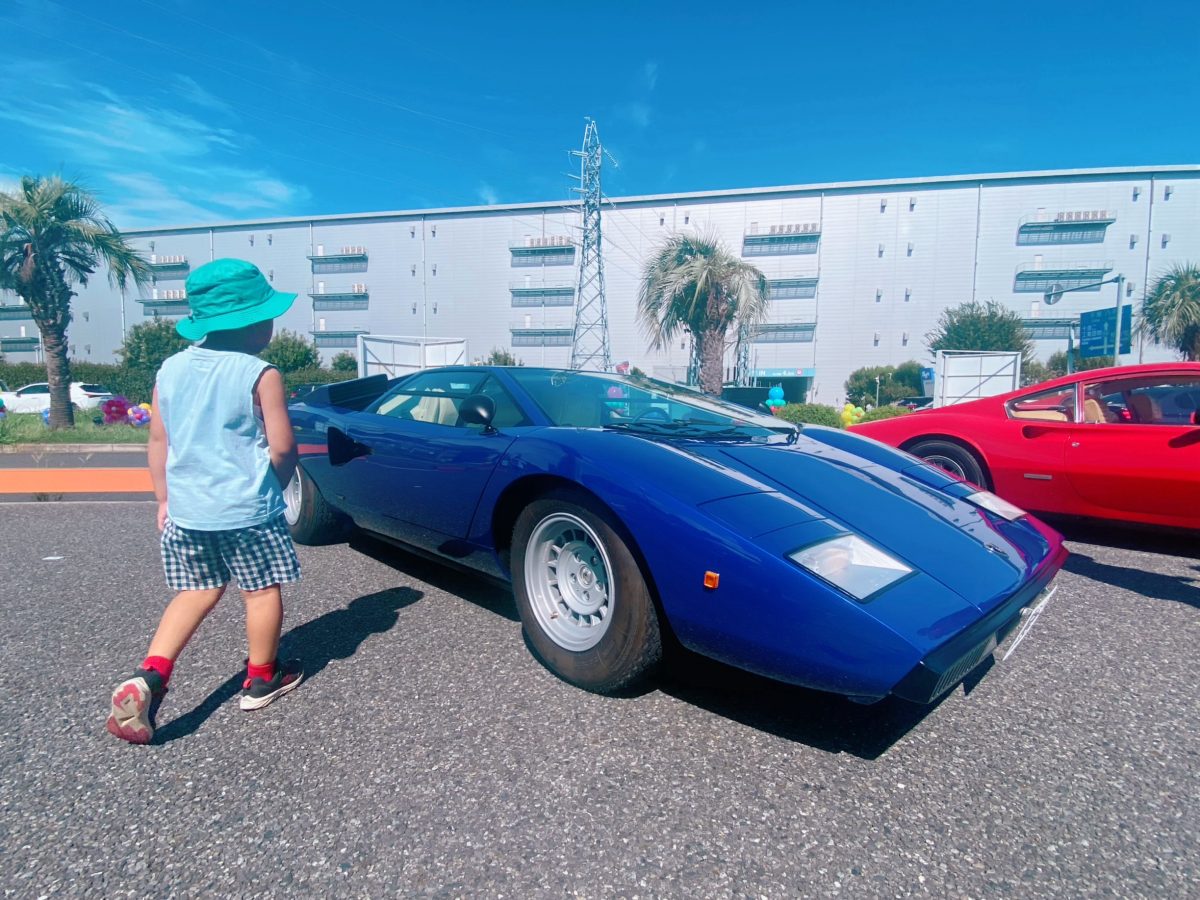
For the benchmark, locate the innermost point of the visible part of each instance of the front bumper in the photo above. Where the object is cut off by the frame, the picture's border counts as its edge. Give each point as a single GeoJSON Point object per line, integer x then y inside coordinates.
{"type": "Point", "coordinates": [946, 666]}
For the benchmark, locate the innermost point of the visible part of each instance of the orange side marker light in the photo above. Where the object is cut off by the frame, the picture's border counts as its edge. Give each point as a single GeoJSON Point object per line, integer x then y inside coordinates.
{"type": "Point", "coordinates": [711, 580]}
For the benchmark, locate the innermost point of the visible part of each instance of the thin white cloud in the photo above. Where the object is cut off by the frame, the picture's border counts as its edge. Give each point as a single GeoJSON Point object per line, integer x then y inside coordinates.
{"type": "Point", "coordinates": [153, 162]}
{"type": "Point", "coordinates": [650, 74]}
{"type": "Point", "coordinates": [188, 89]}
{"type": "Point", "coordinates": [488, 194]}
{"type": "Point", "coordinates": [637, 112]}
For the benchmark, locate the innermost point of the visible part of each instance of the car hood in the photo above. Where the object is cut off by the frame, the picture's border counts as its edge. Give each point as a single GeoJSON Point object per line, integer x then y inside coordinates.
{"type": "Point", "coordinates": [947, 538]}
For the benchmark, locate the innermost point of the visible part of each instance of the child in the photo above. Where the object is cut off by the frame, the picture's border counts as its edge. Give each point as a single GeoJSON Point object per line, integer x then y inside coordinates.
{"type": "Point", "coordinates": [221, 448]}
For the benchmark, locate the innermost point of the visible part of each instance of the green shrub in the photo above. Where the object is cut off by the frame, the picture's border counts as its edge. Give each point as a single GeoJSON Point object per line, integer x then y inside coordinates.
{"type": "Point", "coordinates": [315, 376]}
{"type": "Point", "coordinates": [810, 414]}
{"type": "Point", "coordinates": [27, 428]}
{"type": "Point", "coordinates": [884, 412]}
{"type": "Point", "coordinates": [290, 351]}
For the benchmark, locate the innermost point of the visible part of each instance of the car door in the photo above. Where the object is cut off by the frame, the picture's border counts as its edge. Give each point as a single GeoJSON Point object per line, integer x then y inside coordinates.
{"type": "Point", "coordinates": [1027, 454]}
{"type": "Point", "coordinates": [1140, 456]}
{"type": "Point", "coordinates": [409, 468]}
{"type": "Point", "coordinates": [32, 398]}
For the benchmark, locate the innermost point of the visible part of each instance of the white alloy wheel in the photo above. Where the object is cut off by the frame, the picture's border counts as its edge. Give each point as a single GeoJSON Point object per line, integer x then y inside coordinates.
{"type": "Point", "coordinates": [569, 579]}
{"type": "Point", "coordinates": [293, 499]}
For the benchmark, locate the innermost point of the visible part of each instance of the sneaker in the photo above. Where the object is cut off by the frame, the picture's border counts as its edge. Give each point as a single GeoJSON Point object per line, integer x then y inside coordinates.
{"type": "Point", "coordinates": [258, 692]}
{"type": "Point", "coordinates": [135, 705]}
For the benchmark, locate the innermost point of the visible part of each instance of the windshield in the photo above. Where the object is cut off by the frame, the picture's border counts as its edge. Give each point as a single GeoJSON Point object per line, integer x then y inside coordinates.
{"type": "Point", "coordinates": [645, 405]}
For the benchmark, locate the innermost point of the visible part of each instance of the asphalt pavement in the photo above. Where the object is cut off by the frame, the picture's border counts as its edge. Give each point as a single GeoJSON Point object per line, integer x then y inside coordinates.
{"type": "Point", "coordinates": [428, 754]}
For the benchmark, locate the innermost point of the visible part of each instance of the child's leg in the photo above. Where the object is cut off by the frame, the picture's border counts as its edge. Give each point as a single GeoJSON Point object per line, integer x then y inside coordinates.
{"type": "Point", "coordinates": [180, 621]}
{"type": "Point", "coordinates": [264, 620]}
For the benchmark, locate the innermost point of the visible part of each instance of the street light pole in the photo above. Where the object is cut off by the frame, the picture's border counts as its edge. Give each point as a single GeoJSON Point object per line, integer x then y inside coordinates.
{"type": "Point", "coordinates": [1117, 331]}
{"type": "Point", "coordinates": [1055, 293]}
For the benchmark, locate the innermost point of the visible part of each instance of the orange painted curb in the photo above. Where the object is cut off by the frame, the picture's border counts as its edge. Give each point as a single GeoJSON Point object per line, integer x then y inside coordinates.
{"type": "Point", "coordinates": [75, 481]}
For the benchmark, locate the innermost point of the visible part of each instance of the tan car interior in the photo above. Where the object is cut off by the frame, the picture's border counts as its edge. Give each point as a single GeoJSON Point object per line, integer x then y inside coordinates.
{"type": "Point", "coordinates": [1144, 408]}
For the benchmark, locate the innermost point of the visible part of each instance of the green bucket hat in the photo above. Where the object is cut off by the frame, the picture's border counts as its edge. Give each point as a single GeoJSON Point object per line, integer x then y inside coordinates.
{"type": "Point", "coordinates": [229, 293]}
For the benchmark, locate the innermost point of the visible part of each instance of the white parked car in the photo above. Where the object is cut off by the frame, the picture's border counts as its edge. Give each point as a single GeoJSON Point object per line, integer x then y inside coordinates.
{"type": "Point", "coordinates": [36, 397]}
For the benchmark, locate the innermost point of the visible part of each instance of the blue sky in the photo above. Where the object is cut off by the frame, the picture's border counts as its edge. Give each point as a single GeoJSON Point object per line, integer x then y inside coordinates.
{"type": "Point", "coordinates": [189, 112]}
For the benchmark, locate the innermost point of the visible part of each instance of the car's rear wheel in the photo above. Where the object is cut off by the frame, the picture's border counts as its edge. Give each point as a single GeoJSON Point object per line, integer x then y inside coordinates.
{"type": "Point", "coordinates": [952, 458]}
{"type": "Point", "coordinates": [310, 519]}
{"type": "Point", "coordinates": [583, 600]}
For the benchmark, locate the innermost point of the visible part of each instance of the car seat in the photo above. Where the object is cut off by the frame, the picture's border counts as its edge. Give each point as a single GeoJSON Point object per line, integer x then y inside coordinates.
{"type": "Point", "coordinates": [1145, 409]}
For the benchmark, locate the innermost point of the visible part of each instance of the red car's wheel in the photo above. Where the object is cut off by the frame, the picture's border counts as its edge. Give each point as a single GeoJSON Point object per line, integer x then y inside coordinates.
{"type": "Point", "coordinates": [951, 457]}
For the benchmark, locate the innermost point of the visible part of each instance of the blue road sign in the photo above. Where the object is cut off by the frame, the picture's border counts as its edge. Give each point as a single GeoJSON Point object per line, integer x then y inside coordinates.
{"type": "Point", "coordinates": [1096, 331]}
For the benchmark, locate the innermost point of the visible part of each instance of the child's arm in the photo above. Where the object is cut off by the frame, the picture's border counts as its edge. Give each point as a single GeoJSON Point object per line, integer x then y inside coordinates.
{"type": "Point", "coordinates": [278, 427]}
{"type": "Point", "coordinates": [156, 457]}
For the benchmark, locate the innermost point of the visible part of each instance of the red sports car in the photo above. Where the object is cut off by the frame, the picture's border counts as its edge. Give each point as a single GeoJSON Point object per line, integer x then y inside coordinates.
{"type": "Point", "coordinates": [1120, 443]}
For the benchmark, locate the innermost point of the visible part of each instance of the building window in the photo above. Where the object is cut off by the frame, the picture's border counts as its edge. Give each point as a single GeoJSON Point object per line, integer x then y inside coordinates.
{"type": "Point", "coordinates": [541, 337]}
{"type": "Point", "coordinates": [1037, 277]}
{"type": "Point", "coordinates": [1070, 227]}
{"type": "Point", "coordinates": [545, 295]}
{"type": "Point", "coordinates": [792, 288]}
{"type": "Point", "coordinates": [782, 240]}
{"type": "Point", "coordinates": [784, 333]}
{"type": "Point", "coordinates": [542, 251]}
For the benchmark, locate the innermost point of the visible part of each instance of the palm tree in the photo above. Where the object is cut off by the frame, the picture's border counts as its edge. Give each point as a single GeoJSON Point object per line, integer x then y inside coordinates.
{"type": "Point", "coordinates": [53, 235]}
{"type": "Point", "coordinates": [1171, 311]}
{"type": "Point", "coordinates": [695, 284]}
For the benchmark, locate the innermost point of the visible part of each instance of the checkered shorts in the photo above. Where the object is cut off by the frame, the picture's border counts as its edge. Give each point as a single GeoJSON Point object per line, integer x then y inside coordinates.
{"type": "Point", "coordinates": [258, 557]}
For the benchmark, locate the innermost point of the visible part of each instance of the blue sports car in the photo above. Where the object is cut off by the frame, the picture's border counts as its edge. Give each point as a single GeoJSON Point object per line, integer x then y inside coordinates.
{"type": "Point", "coordinates": [624, 509]}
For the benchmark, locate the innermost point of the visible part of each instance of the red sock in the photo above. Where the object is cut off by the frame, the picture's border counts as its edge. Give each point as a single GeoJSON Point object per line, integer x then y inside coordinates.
{"type": "Point", "coordinates": [161, 665]}
{"type": "Point", "coordinates": [266, 672]}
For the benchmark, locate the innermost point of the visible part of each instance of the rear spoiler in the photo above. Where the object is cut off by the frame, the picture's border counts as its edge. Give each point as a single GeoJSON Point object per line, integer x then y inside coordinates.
{"type": "Point", "coordinates": [356, 394]}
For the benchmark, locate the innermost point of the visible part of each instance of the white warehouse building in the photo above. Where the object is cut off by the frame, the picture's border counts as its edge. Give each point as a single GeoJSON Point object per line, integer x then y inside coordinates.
{"type": "Point", "coordinates": [859, 272]}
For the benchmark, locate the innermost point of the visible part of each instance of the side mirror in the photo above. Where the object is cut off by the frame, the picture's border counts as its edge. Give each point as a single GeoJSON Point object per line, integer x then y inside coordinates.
{"type": "Point", "coordinates": [1196, 417]}
{"type": "Point", "coordinates": [478, 409]}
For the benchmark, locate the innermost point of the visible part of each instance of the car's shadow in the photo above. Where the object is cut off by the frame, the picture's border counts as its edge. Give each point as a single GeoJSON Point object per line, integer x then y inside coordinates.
{"type": "Point", "coordinates": [473, 587]}
{"type": "Point", "coordinates": [1146, 540]}
{"type": "Point", "coordinates": [825, 721]}
{"type": "Point", "coordinates": [1181, 588]}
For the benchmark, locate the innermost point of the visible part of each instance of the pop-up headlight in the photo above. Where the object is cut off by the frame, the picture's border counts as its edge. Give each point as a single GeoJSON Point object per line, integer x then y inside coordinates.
{"type": "Point", "coordinates": [993, 504]}
{"type": "Point", "coordinates": [858, 568]}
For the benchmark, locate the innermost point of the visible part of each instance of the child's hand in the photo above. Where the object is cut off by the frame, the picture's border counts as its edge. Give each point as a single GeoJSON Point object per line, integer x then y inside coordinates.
{"type": "Point", "coordinates": [162, 514]}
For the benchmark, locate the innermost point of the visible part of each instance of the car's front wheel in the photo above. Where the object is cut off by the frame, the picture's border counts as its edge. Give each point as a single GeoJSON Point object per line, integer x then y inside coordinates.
{"type": "Point", "coordinates": [310, 519]}
{"type": "Point", "coordinates": [583, 600]}
{"type": "Point", "coordinates": [952, 458]}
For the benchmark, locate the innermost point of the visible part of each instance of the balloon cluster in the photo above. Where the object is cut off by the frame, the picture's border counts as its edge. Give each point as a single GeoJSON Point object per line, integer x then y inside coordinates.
{"type": "Point", "coordinates": [139, 415]}
{"type": "Point", "coordinates": [115, 410]}
{"type": "Point", "coordinates": [851, 414]}
{"type": "Point", "coordinates": [617, 401]}
{"type": "Point", "coordinates": [775, 401]}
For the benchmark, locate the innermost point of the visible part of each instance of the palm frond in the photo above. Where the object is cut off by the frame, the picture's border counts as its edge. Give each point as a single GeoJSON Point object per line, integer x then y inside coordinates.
{"type": "Point", "coordinates": [1171, 312]}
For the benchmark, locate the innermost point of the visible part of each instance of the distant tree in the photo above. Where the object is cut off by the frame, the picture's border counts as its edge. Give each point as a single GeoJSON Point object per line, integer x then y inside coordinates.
{"type": "Point", "coordinates": [344, 362]}
{"type": "Point", "coordinates": [54, 235]}
{"type": "Point", "coordinates": [694, 284]}
{"type": "Point", "coordinates": [895, 382]}
{"type": "Point", "coordinates": [149, 343]}
{"type": "Point", "coordinates": [981, 326]}
{"type": "Point", "coordinates": [1056, 365]}
{"type": "Point", "coordinates": [501, 357]}
{"type": "Point", "coordinates": [1171, 313]}
{"type": "Point", "coordinates": [290, 351]}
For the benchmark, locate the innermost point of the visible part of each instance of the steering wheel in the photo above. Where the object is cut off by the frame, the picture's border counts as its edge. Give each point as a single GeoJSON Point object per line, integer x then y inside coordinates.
{"type": "Point", "coordinates": [655, 413]}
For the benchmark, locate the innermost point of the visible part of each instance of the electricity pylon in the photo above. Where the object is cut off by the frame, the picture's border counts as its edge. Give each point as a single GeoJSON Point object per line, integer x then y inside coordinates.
{"type": "Point", "coordinates": [589, 343]}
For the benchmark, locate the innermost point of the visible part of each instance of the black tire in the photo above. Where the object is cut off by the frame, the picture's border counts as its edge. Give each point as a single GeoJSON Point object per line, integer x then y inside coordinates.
{"type": "Point", "coordinates": [953, 458]}
{"type": "Point", "coordinates": [630, 646]}
{"type": "Point", "coordinates": [315, 522]}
